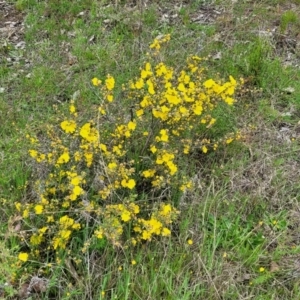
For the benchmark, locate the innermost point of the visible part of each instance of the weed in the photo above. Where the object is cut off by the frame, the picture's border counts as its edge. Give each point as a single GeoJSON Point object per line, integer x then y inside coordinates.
{"type": "Point", "coordinates": [105, 172]}
{"type": "Point", "coordinates": [288, 17]}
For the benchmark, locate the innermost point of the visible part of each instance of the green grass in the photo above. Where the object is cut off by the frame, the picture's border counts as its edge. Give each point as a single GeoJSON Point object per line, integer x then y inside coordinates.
{"type": "Point", "coordinates": [243, 213]}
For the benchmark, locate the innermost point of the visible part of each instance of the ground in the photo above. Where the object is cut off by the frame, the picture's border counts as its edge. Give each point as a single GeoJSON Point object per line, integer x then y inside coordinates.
{"type": "Point", "coordinates": [242, 218]}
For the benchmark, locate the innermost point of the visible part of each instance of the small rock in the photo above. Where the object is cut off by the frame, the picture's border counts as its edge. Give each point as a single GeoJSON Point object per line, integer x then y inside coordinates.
{"type": "Point", "coordinates": [81, 14]}
{"type": "Point", "coordinates": [289, 90]}
{"type": "Point", "coordinates": [38, 284]}
{"type": "Point", "coordinates": [24, 292]}
{"type": "Point", "coordinates": [274, 267]}
{"type": "Point", "coordinates": [21, 45]}
{"type": "Point", "coordinates": [76, 95]}
{"type": "Point", "coordinates": [92, 39]}
{"type": "Point", "coordinates": [217, 56]}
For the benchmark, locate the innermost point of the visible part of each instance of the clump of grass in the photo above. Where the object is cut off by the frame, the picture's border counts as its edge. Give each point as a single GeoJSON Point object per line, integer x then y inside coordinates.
{"type": "Point", "coordinates": [289, 17]}
{"type": "Point", "coordinates": [115, 178]}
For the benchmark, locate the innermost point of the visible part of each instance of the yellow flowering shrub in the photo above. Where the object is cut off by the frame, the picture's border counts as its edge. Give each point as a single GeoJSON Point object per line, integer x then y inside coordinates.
{"type": "Point", "coordinates": [112, 176]}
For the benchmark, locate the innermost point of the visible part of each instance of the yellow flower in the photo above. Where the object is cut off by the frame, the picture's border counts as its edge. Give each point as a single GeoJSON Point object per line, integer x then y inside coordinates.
{"type": "Point", "coordinates": [43, 230]}
{"type": "Point", "coordinates": [150, 84]}
{"type": "Point", "coordinates": [133, 262]}
{"type": "Point", "coordinates": [166, 209]}
{"type": "Point", "coordinates": [76, 226]}
{"type": "Point", "coordinates": [183, 110]}
{"type": "Point", "coordinates": [36, 240]}
{"type": "Point", "coordinates": [117, 150]}
{"type": "Point", "coordinates": [23, 256]}
{"type": "Point", "coordinates": [89, 133]}
{"type": "Point", "coordinates": [76, 180]}
{"type": "Point", "coordinates": [211, 122]}
{"type": "Point", "coordinates": [153, 149]}
{"type": "Point", "coordinates": [155, 226]}
{"type": "Point", "coordinates": [148, 173]}
{"type": "Point", "coordinates": [163, 136]}
{"type": "Point", "coordinates": [229, 100]}
{"type": "Point", "coordinates": [50, 219]}
{"type": "Point", "coordinates": [96, 81]}
{"type": "Point", "coordinates": [131, 184]}
{"type": "Point", "coordinates": [127, 133]}
{"type": "Point", "coordinates": [137, 229]}
{"type": "Point", "coordinates": [110, 82]}
{"type": "Point", "coordinates": [89, 158]}
{"type": "Point", "coordinates": [72, 109]}
{"type": "Point", "coordinates": [65, 234]}
{"type": "Point", "coordinates": [125, 216]}
{"type": "Point", "coordinates": [167, 157]}
{"type": "Point", "coordinates": [18, 206]}
{"type": "Point", "coordinates": [146, 235]}
{"type": "Point", "coordinates": [232, 80]}
{"type": "Point", "coordinates": [131, 125]}
{"type": "Point", "coordinates": [65, 221]}
{"type": "Point", "coordinates": [140, 83]}
{"type": "Point", "coordinates": [139, 112]}
{"type": "Point", "coordinates": [186, 149]}
{"type": "Point", "coordinates": [110, 98]}
{"type": "Point", "coordinates": [145, 102]}
{"type": "Point", "coordinates": [155, 45]}
{"type": "Point", "coordinates": [44, 200]}
{"type": "Point", "coordinates": [25, 214]}
{"type": "Point", "coordinates": [134, 207]}
{"type": "Point", "coordinates": [172, 167]}
{"type": "Point", "coordinates": [38, 209]}
{"type": "Point", "coordinates": [64, 158]}
{"type": "Point", "coordinates": [204, 149]}
{"type": "Point", "coordinates": [190, 242]}
{"type": "Point", "coordinates": [209, 83]}
{"type": "Point", "coordinates": [85, 130]}
{"type": "Point", "coordinates": [112, 166]}
{"type": "Point", "coordinates": [77, 190]}
{"type": "Point", "coordinates": [148, 67]}
{"type": "Point", "coordinates": [181, 87]}
{"type": "Point", "coordinates": [102, 110]}
{"type": "Point", "coordinates": [41, 157]}
{"type": "Point", "coordinates": [160, 69]}
{"type": "Point", "coordinates": [33, 153]}
{"type": "Point", "coordinates": [198, 109]}
{"type": "Point", "coordinates": [165, 232]}
{"type": "Point", "coordinates": [99, 233]}
{"type": "Point", "coordinates": [103, 148]}
{"type": "Point", "coordinates": [261, 269]}
{"type": "Point", "coordinates": [228, 141]}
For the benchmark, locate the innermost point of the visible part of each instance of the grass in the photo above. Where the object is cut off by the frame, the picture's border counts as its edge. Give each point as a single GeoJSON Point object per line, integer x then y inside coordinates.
{"type": "Point", "coordinates": [237, 236]}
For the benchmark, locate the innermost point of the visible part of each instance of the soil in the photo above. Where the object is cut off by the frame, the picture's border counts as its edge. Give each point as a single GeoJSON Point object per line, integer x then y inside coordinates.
{"type": "Point", "coordinates": [11, 29]}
